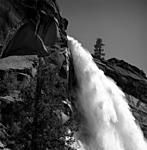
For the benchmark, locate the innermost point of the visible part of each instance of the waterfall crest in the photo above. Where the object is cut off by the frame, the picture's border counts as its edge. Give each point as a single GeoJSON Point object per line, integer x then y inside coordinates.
{"type": "Point", "coordinates": [107, 122]}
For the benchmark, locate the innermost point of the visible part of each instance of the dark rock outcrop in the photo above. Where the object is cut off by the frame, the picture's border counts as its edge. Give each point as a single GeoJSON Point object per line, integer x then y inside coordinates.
{"type": "Point", "coordinates": [15, 74]}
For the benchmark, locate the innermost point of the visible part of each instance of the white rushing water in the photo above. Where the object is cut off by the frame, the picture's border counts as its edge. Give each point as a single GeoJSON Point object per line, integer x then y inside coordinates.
{"type": "Point", "coordinates": [107, 122]}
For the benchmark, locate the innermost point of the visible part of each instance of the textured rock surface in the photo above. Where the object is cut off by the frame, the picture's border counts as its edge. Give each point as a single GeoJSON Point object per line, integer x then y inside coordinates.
{"type": "Point", "coordinates": [15, 74]}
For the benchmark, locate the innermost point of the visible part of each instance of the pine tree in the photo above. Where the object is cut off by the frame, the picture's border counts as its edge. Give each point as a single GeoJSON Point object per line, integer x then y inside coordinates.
{"type": "Point", "coordinates": [98, 50]}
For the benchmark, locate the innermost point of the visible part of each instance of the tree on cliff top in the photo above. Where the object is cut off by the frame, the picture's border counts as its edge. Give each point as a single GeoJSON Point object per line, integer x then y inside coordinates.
{"type": "Point", "coordinates": [98, 50]}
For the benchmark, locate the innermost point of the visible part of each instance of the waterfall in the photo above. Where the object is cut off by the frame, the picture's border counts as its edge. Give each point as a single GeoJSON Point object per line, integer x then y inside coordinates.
{"type": "Point", "coordinates": [107, 122]}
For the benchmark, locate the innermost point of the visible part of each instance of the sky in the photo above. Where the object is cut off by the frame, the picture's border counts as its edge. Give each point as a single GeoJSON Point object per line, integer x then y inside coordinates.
{"type": "Point", "coordinates": [122, 24]}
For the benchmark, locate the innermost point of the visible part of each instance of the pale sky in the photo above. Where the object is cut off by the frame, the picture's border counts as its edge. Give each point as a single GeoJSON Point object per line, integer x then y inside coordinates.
{"type": "Point", "coordinates": [122, 24]}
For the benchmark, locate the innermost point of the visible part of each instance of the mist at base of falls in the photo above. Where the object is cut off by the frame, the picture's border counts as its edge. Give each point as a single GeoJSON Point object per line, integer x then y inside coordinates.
{"type": "Point", "coordinates": [107, 122]}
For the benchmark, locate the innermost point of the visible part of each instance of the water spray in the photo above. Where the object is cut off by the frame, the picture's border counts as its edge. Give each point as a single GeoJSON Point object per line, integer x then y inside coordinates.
{"type": "Point", "coordinates": [107, 122]}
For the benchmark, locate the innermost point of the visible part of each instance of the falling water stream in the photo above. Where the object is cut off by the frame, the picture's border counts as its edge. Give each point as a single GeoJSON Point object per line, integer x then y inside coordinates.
{"type": "Point", "coordinates": [107, 123]}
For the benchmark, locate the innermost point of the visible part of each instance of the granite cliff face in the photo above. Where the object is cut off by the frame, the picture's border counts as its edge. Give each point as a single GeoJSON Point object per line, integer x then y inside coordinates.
{"type": "Point", "coordinates": [15, 74]}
